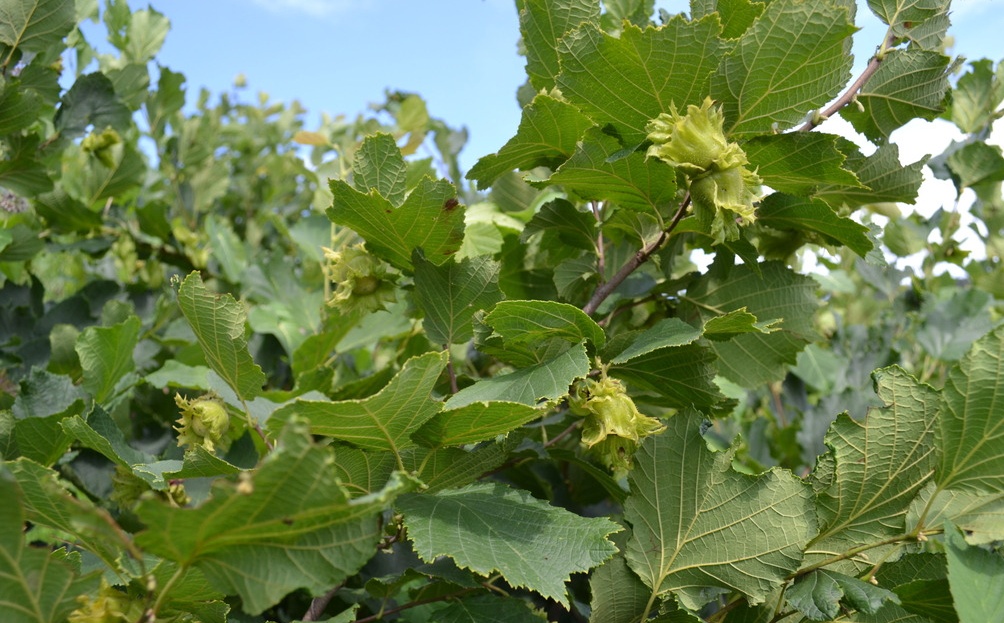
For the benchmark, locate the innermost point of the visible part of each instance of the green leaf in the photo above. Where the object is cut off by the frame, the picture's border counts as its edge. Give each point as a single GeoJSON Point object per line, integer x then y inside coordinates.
{"type": "Point", "coordinates": [106, 356]}
{"type": "Point", "coordinates": [976, 163]}
{"type": "Point", "coordinates": [972, 455]}
{"type": "Point", "coordinates": [893, 12]}
{"type": "Point", "coordinates": [798, 163]}
{"type": "Point", "coordinates": [635, 182]}
{"type": "Point", "coordinates": [562, 220]}
{"type": "Point", "coordinates": [735, 323]}
{"type": "Point", "coordinates": [145, 35]}
{"type": "Point", "coordinates": [218, 323]}
{"type": "Point", "coordinates": [544, 382]}
{"type": "Point", "coordinates": [547, 135]}
{"type": "Point", "coordinates": [36, 586]}
{"type": "Point", "coordinates": [291, 525]}
{"type": "Point", "coordinates": [737, 16]}
{"type": "Point", "coordinates": [35, 25]}
{"type": "Point", "coordinates": [48, 502]}
{"type": "Point", "coordinates": [21, 171]}
{"type": "Point", "coordinates": [619, 596]}
{"type": "Point", "coordinates": [666, 333]}
{"type": "Point", "coordinates": [101, 434]}
{"type": "Point", "coordinates": [475, 422]}
{"type": "Point", "coordinates": [63, 212]}
{"type": "Point", "coordinates": [907, 85]}
{"type": "Point", "coordinates": [488, 609]}
{"type": "Point", "coordinates": [767, 83]}
{"type": "Point", "coordinates": [623, 82]}
{"type": "Point", "coordinates": [697, 523]}
{"type": "Point", "coordinates": [447, 468]}
{"type": "Point", "coordinates": [384, 421]}
{"type": "Point", "coordinates": [430, 219]}
{"type": "Point", "coordinates": [543, 23]}
{"type": "Point", "coordinates": [379, 165]}
{"type": "Point", "coordinates": [882, 179]}
{"type": "Point", "coordinates": [450, 295]}
{"type": "Point", "coordinates": [19, 108]}
{"type": "Point", "coordinates": [981, 516]}
{"type": "Point", "coordinates": [874, 469]}
{"type": "Point", "coordinates": [975, 98]}
{"type": "Point", "coordinates": [683, 376]}
{"type": "Point", "coordinates": [525, 324]}
{"type": "Point", "coordinates": [976, 577]}
{"type": "Point", "coordinates": [818, 595]}
{"type": "Point", "coordinates": [777, 293]}
{"type": "Point", "coordinates": [91, 101]}
{"type": "Point", "coordinates": [786, 213]}
{"type": "Point", "coordinates": [490, 528]}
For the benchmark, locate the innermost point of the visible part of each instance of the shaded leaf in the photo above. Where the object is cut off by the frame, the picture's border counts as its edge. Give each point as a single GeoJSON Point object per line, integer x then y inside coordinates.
{"type": "Point", "coordinates": [818, 595]}
{"type": "Point", "coordinates": [490, 528]}
{"type": "Point", "coordinates": [547, 135]}
{"type": "Point", "coordinates": [971, 429]}
{"type": "Point", "coordinates": [766, 80]}
{"type": "Point", "coordinates": [784, 212]}
{"type": "Point", "coordinates": [735, 323]}
{"type": "Point", "coordinates": [478, 421]}
{"type": "Point", "coordinates": [681, 493]}
{"type": "Point", "coordinates": [430, 219]}
{"type": "Point", "coordinates": [450, 295]}
{"type": "Point", "coordinates": [218, 324]}
{"type": "Point", "coordinates": [106, 356]}
{"type": "Point", "coordinates": [91, 101]}
{"type": "Point", "coordinates": [35, 25]}
{"type": "Point", "coordinates": [619, 596]}
{"type": "Point", "coordinates": [384, 421]}
{"type": "Point", "coordinates": [908, 84]}
{"type": "Point", "coordinates": [976, 163]}
{"type": "Point", "coordinates": [562, 220]}
{"type": "Point", "coordinates": [798, 163]}
{"type": "Point", "coordinates": [976, 577]}
{"type": "Point", "coordinates": [288, 526]}
{"type": "Point", "coordinates": [975, 98]}
{"type": "Point", "coordinates": [663, 334]}
{"type": "Point", "coordinates": [625, 81]}
{"type": "Point", "coordinates": [543, 23]}
{"type": "Point", "coordinates": [874, 469]}
{"type": "Point", "coordinates": [543, 382]}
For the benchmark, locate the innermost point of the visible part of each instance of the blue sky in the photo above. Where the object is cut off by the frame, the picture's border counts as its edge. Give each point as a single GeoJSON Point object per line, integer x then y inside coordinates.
{"type": "Point", "coordinates": [337, 56]}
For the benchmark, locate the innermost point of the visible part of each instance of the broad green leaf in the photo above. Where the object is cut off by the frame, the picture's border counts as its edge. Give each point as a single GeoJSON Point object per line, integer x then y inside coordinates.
{"type": "Point", "coordinates": [430, 218]}
{"type": "Point", "coordinates": [637, 12]}
{"type": "Point", "coordinates": [635, 182]}
{"type": "Point", "coordinates": [972, 430]}
{"type": "Point", "coordinates": [19, 108]}
{"type": "Point", "coordinates": [528, 323]}
{"type": "Point", "coordinates": [544, 382]}
{"type": "Point", "coordinates": [798, 163]}
{"type": "Point", "coordinates": [63, 212]}
{"type": "Point", "coordinates": [976, 163]}
{"type": "Point", "coordinates": [21, 171]}
{"type": "Point", "coordinates": [786, 213]}
{"type": "Point", "coordinates": [478, 421]}
{"type": "Point", "coordinates": [448, 468]}
{"type": "Point", "coordinates": [289, 525]}
{"type": "Point", "coordinates": [927, 35]}
{"type": "Point", "coordinates": [91, 101]}
{"type": "Point", "coordinates": [36, 585]}
{"type": "Point", "coordinates": [623, 82]}
{"type": "Point", "coordinates": [490, 528]}
{"type": "Point", "coordinates": [697, 523]}
{"type": "Point", "coordinates": [663, 334]}
{"type": "Point", "coordinates": [976, 577]}
{"type": "Point", "coordinates": [875, 468]}
{"type": "Point", "coordinates": [737, 16]}
{"type": "Point", "coordinates": [101, 434]}
{"type": "Point", "coordinates": [384, 421]}
{"type": "Point", "coordinates": [895, 11]}
{"type": "Point", "coordinates": [45, 400]}
{"type": "Point", "coordinates": [777, 293]}
{"type": "Point", "coordinates": [543, 23]}
{"type": "Point", "coordinates": [379, 166]}
{"type": "Point", "coordinates": [218, 323]}
{"type": "Point", "coordinates": [145, 35]}
{"type": "Point", "coordinates": [176, 374]}
{"type": "Point", "coordinates": [735, 323]}
{"type": "Point", "coordinates": [488, 609]}
{"type": "Point", "coordinates": [979, 514]}
{"type": "Point", "coordinates": [547, 136]}
{"type": "Point", "coordinates": [106, 356]}
{"type": "Point", "coordinates": [975, 98]}
{"type": "Point", "coordinates": [34, 25]}
{"type": "Point", "coordinates": [907, 85]}
{"type": "Point", "coordinates": [562, 220]}
{"type": "Point", "coordinates": [682, 375]}
{"type": "Point", "coordinates": [882, 179]}
{"type": "Point", "coordinates": [818, 595]}
{"type": "Point", "coordinates": [450, 295]}
{"type": "Point", "coordinates": [767, 83]}
{"type": "Point", "coordinates": [362, 471]}
{"type": "Point", "coordinates": [619, 596]}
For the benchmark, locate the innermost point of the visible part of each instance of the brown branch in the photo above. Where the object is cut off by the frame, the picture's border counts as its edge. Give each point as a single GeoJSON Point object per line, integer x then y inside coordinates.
{"type": "Point", "coordinates": [852, 91]}
{"type": "Point", "coordinates": [318, 604]}
{"type": "Point", "coordinates": [639, 258]}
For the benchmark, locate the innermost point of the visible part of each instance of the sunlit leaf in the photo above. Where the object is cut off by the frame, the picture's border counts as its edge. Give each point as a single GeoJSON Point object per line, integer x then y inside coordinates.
{"type": "Point", "coordinates": [451, 294]}
{"type": "Point", "coordinates": [543, 23]}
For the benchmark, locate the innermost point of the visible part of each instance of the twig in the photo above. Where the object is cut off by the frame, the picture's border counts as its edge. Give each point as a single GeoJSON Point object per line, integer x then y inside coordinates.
{"type": "Point", "coordinates": [318, 604]}
{"type": "Point", "coordinates": [454, 388]}
{"type": "Point", "coordinates": [852, 91]}
{"type": "Point", "coordinates": [639, 258]}
{"type": "Point", "coordinates": [601, 260]}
